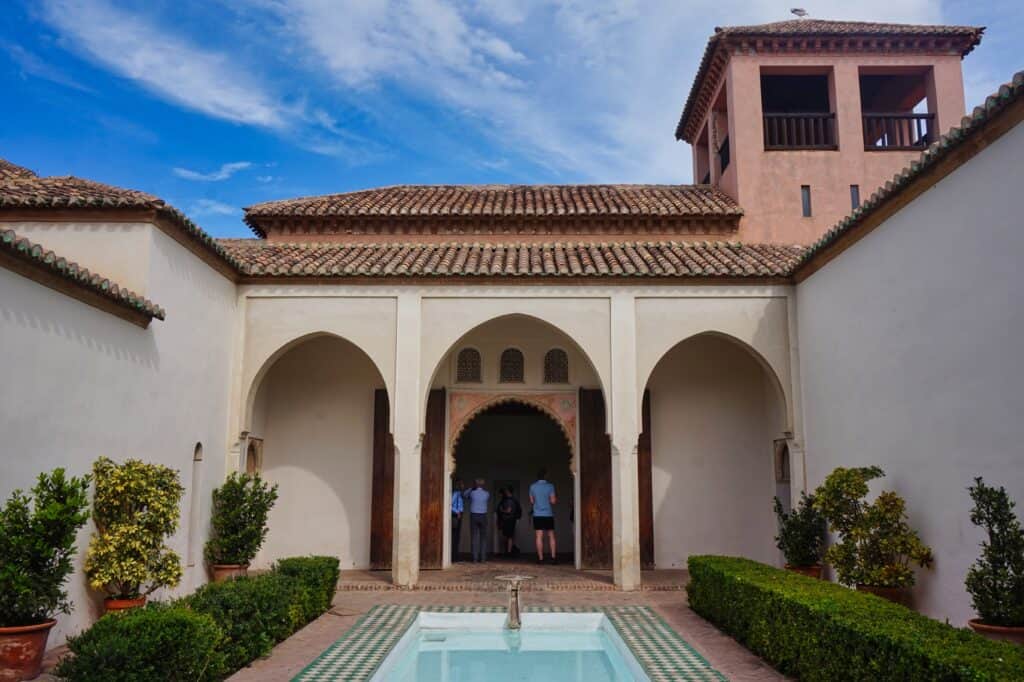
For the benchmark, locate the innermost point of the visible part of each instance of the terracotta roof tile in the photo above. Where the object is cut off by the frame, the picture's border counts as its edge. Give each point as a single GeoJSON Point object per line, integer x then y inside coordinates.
{"type": "Point", "coordinates": [39, 257]}
{"type": "Point", "coordinates": [963, 38]}
{"type": "Point", "coordinates": [503, 201]}
{"type": "Point", "coordinates": [956, 137]}
{"type": "Point", "coordinates": [559, 259]}
{"type": "Point", "coordinates": [23, 190]}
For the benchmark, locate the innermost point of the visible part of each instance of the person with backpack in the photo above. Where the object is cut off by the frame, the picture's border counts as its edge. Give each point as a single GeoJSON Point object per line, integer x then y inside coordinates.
{"type": "Point", "coordinates": [508, 512]}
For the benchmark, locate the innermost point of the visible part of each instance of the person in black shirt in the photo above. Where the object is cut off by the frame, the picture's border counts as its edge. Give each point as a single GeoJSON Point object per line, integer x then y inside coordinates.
{"type": "Point", "coordinates": [508, 512]}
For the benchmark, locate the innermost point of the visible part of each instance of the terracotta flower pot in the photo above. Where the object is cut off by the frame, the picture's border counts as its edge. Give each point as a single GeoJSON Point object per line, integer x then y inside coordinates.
{"type": "Point", "coordinates": [229, 571]}
{"type": "Point", "coordinates": [21, 651]}
{"type": "Point", "coordinates": [897, 595]}
{"type": "Point", "coordinates": [809, 571]}
{"type": "Point", "coordinates": [112, 604]}
{"type": "Point", "coordinates": [1000, 632]}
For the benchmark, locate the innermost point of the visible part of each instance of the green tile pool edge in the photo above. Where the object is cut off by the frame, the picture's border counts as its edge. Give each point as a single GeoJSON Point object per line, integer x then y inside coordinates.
{"type": "Point", "coordinates": [355, 656]}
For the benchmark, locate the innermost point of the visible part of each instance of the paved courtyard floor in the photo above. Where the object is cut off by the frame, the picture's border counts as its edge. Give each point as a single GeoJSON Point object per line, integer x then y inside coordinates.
{"type": "Point", "coordinates": [472, 585]}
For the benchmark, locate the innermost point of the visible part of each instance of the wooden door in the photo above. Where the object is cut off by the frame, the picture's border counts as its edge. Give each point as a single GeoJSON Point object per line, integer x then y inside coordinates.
{"type": "Point", "coordinates": [595, 471]}
{"type": "Point", "coordinates": [383, 485]}
{"type": "Point", "coordinates": [432, 503]}
{"type": "Point", "coordinates": [644, 453]}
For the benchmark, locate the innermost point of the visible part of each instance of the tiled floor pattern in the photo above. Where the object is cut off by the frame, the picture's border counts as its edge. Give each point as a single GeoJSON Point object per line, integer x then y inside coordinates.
{"type": "Point", "coordinates": [663, 654]}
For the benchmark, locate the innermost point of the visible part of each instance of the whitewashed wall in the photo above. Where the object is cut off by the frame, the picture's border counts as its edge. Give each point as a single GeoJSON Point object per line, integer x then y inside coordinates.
{"type": "Point", "coordinates": [714, 415]}
{"type": "Point", "coordinates": [78, 383]}
{"type": "Point", "coordinates": [314, 411]}
{"type": "Point", "coordinates": [910, 356]}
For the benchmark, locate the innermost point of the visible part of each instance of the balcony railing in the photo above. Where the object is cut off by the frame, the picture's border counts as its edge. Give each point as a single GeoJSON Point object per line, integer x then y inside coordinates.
{"type": "Point", "coordinates": [898, 131]}
{"type": "Point", "coordinates": [799, 131]}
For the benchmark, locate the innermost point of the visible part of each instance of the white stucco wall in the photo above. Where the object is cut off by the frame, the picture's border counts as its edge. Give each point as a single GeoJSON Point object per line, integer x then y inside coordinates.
{"type": "Point", "coordinates": [714, 415]}
{"type": "Point", "coordinates": [78, 383]}
{"type": "Point", "coordinates": [316, 420]}
{"type": "Point", "coordinates": [910, 359]}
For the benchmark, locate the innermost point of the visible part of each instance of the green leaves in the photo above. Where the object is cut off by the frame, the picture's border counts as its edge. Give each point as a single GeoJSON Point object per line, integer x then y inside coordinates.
{"type": "Point", "coordinates": [801, 537]}
{"type": "Point", "coordinates": [996, 580]}
{"type": "Point", "coordinates": [238, 525]}
{"type": "Point", "coordinates": [37, 543]}
{"type": "Point", "coordinates": [135, 509]}
{"type": "Point", "coordinates": [815, 630]}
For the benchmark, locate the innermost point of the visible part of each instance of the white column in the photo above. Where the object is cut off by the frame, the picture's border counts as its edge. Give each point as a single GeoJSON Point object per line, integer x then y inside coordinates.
{"type": "Point", "coordinates": [625, 432]}
{"type": "Point", "coordinates": [407, 429]}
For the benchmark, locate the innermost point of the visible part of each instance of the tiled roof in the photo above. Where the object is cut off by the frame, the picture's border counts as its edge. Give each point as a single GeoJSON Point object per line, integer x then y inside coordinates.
{"type": "Point", "coordinates": [39, 257]}
{"type": "Point", "coordinates": [612, 259]}
{"type": "Point", "coordinates": [19, 191]}
{"type": "Point", "coordinates": [963, 38]}
{"type": "Point", "coordinates": [938, 150]}
{"type": "Point", "coordinates": [505, 201]}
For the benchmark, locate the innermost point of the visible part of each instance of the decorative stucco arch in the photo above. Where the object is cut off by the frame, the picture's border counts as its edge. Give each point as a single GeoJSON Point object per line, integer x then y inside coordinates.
{"type": "Point", "coordinates": [253, 384]}
{"type": "Point", "coordinates": [465, 406]}
{"type": "Point", "coordinates": [778, 387]}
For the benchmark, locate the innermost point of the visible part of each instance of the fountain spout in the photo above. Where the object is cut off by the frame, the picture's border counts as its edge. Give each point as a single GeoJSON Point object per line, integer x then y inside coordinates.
{"type": "Point", "coordinates": [512, 620]}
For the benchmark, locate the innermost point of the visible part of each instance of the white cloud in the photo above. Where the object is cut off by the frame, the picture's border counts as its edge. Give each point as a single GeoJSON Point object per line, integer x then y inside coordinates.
{"type": "Point", "coordinates": [214, 207]}
{"type": "Point", "coordinates": [225, 171]}
{"type": "Point", "coordinates": [32, 64]}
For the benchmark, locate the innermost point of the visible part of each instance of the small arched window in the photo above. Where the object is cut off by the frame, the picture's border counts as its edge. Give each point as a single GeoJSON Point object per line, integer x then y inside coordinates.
{"type": "Point", "coordinates": [511, 366]}
{"type": "Point", "coordinates": [468, 366]}
{"type": "Point", "coordinates": [252, 459]}
{"type": "Point", "coordinates": [556, 367]}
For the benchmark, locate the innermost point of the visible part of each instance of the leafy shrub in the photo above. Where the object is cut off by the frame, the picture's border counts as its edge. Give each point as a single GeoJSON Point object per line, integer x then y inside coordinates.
{"type": "Point", "coordinates": [254, 613]}
{"type": "Point", "coordinates": [318, 573]}
{"type": "Point", "coordinates": [996, 580]}
{"type": "Point", "coordinates": [238, 525]}
{"type": "Point", "coordinates": [816, 630]}
{"type": "Point", "coordinates": [801, 537]}
{"type": "Point", "coordinates": [876, 545]}
{"type": "Point", "coordinates": [37, 542]}
{"type": "Point", "coordinates": [135, 509]}
{"type": "Point", "coordinates": [155, 643]}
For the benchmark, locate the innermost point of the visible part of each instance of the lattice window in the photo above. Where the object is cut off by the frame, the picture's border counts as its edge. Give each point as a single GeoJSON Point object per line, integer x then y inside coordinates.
{"type": "Point", "coordinates": [511, 366]}
{"type": "Point", "coordinates": [468, 366]}
{"type": "Point", "coordinates": [556, 367]}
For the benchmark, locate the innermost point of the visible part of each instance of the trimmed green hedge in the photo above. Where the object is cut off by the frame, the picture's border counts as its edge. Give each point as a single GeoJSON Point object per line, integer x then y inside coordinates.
{"type": "Point", "coordinates": [816, 630]}
{"type": "Point", "coordinates": [153, 643]}
{"type": "Point", "coordinates": [319, 573]}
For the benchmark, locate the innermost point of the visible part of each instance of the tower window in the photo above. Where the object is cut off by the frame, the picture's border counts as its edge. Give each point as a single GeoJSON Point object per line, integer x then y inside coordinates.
{"type": "Point", "coordinates": [805, 199]}
{"type": "Point", "coordinates": [556, 367]}
{"type": "Point", "coordinates": [511, 366]}
{"type": "Point", "coordinates": [854, 196]}
{"type": "Point", "coordinates": [468, 366]}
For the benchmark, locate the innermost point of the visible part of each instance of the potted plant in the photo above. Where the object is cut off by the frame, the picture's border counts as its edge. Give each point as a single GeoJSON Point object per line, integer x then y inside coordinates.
{"type": "Point", "coordinates": [238, 524]}
{"type": "Point", "coordinates": [996, 580]}
{"type": "Point", "coordinates": [37, 542]}
{"type": "Point", "coordinates": [877, 546]}
{"type": "Point", "coordinates": [135, 509]}
{"type": "Point", "coordinates": [801, 537]}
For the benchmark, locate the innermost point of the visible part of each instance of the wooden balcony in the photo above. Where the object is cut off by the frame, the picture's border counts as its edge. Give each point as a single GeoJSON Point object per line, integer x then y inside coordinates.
{"type": "Point", "coordinates": [799, 131]}
{"type": "Point", "coordinates": [907, 132]}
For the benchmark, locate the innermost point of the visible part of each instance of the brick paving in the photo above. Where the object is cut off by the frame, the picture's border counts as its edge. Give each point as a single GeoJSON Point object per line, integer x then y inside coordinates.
{"type": "Point", "coordinates": [556, 586]}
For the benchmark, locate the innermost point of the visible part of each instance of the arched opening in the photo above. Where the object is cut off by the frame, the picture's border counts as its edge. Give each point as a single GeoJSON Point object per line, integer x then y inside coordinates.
{"type": "Point", "coordinates": [713, 413]}
{"type": "Point", "coordinates": [312, 433]}
{"type": "Point", "coordinates": [507, 445]}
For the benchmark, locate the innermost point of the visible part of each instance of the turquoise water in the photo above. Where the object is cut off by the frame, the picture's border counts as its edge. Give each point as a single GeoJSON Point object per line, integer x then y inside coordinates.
{"type": "Point", "coordinates": [498, 656]}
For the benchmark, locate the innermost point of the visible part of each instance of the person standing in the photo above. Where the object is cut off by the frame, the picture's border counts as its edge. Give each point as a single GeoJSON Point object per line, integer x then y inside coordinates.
{"type": "Point", "coordinates": [458, 505]}
{"type": "Point", "coordinates": [478, 499]}
{"type": "Point", "coordinates": [543, 500]}
{"type": "Point", "coordinates": [508, 512]}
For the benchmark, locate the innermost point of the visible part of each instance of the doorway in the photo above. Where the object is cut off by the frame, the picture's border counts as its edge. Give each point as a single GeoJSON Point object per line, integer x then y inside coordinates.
{"type": "Point", "coordinates": [507, 445]}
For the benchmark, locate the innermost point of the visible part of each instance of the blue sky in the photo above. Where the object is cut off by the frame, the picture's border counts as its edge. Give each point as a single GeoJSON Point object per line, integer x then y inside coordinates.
{"type": "Point", "coordinates": [217, 105]}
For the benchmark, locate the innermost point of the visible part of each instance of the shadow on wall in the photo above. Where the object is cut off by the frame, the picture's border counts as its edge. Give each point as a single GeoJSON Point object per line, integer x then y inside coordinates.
{"type": "Point", "coordinates": [314, 411]}
{"type": "Point", "coordinates": [715, 413]}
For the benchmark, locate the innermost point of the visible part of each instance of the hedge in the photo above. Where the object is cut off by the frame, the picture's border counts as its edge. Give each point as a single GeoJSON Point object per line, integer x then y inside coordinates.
{"type": "Point", "coordinates": [153, 643]}
{"type": "Point", "coordinates": [816, 630]}
{"type": "Point", "coordinates": [319, 573]}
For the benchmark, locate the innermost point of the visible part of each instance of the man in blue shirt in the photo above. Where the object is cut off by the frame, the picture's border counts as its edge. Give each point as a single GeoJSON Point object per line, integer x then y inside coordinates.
{"type": "Point", "coordinates": [457, 508]}
{"type": "Point", "coordinates": [542, 497]}
{"type": "Point", "coordinates": [478, 498]}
